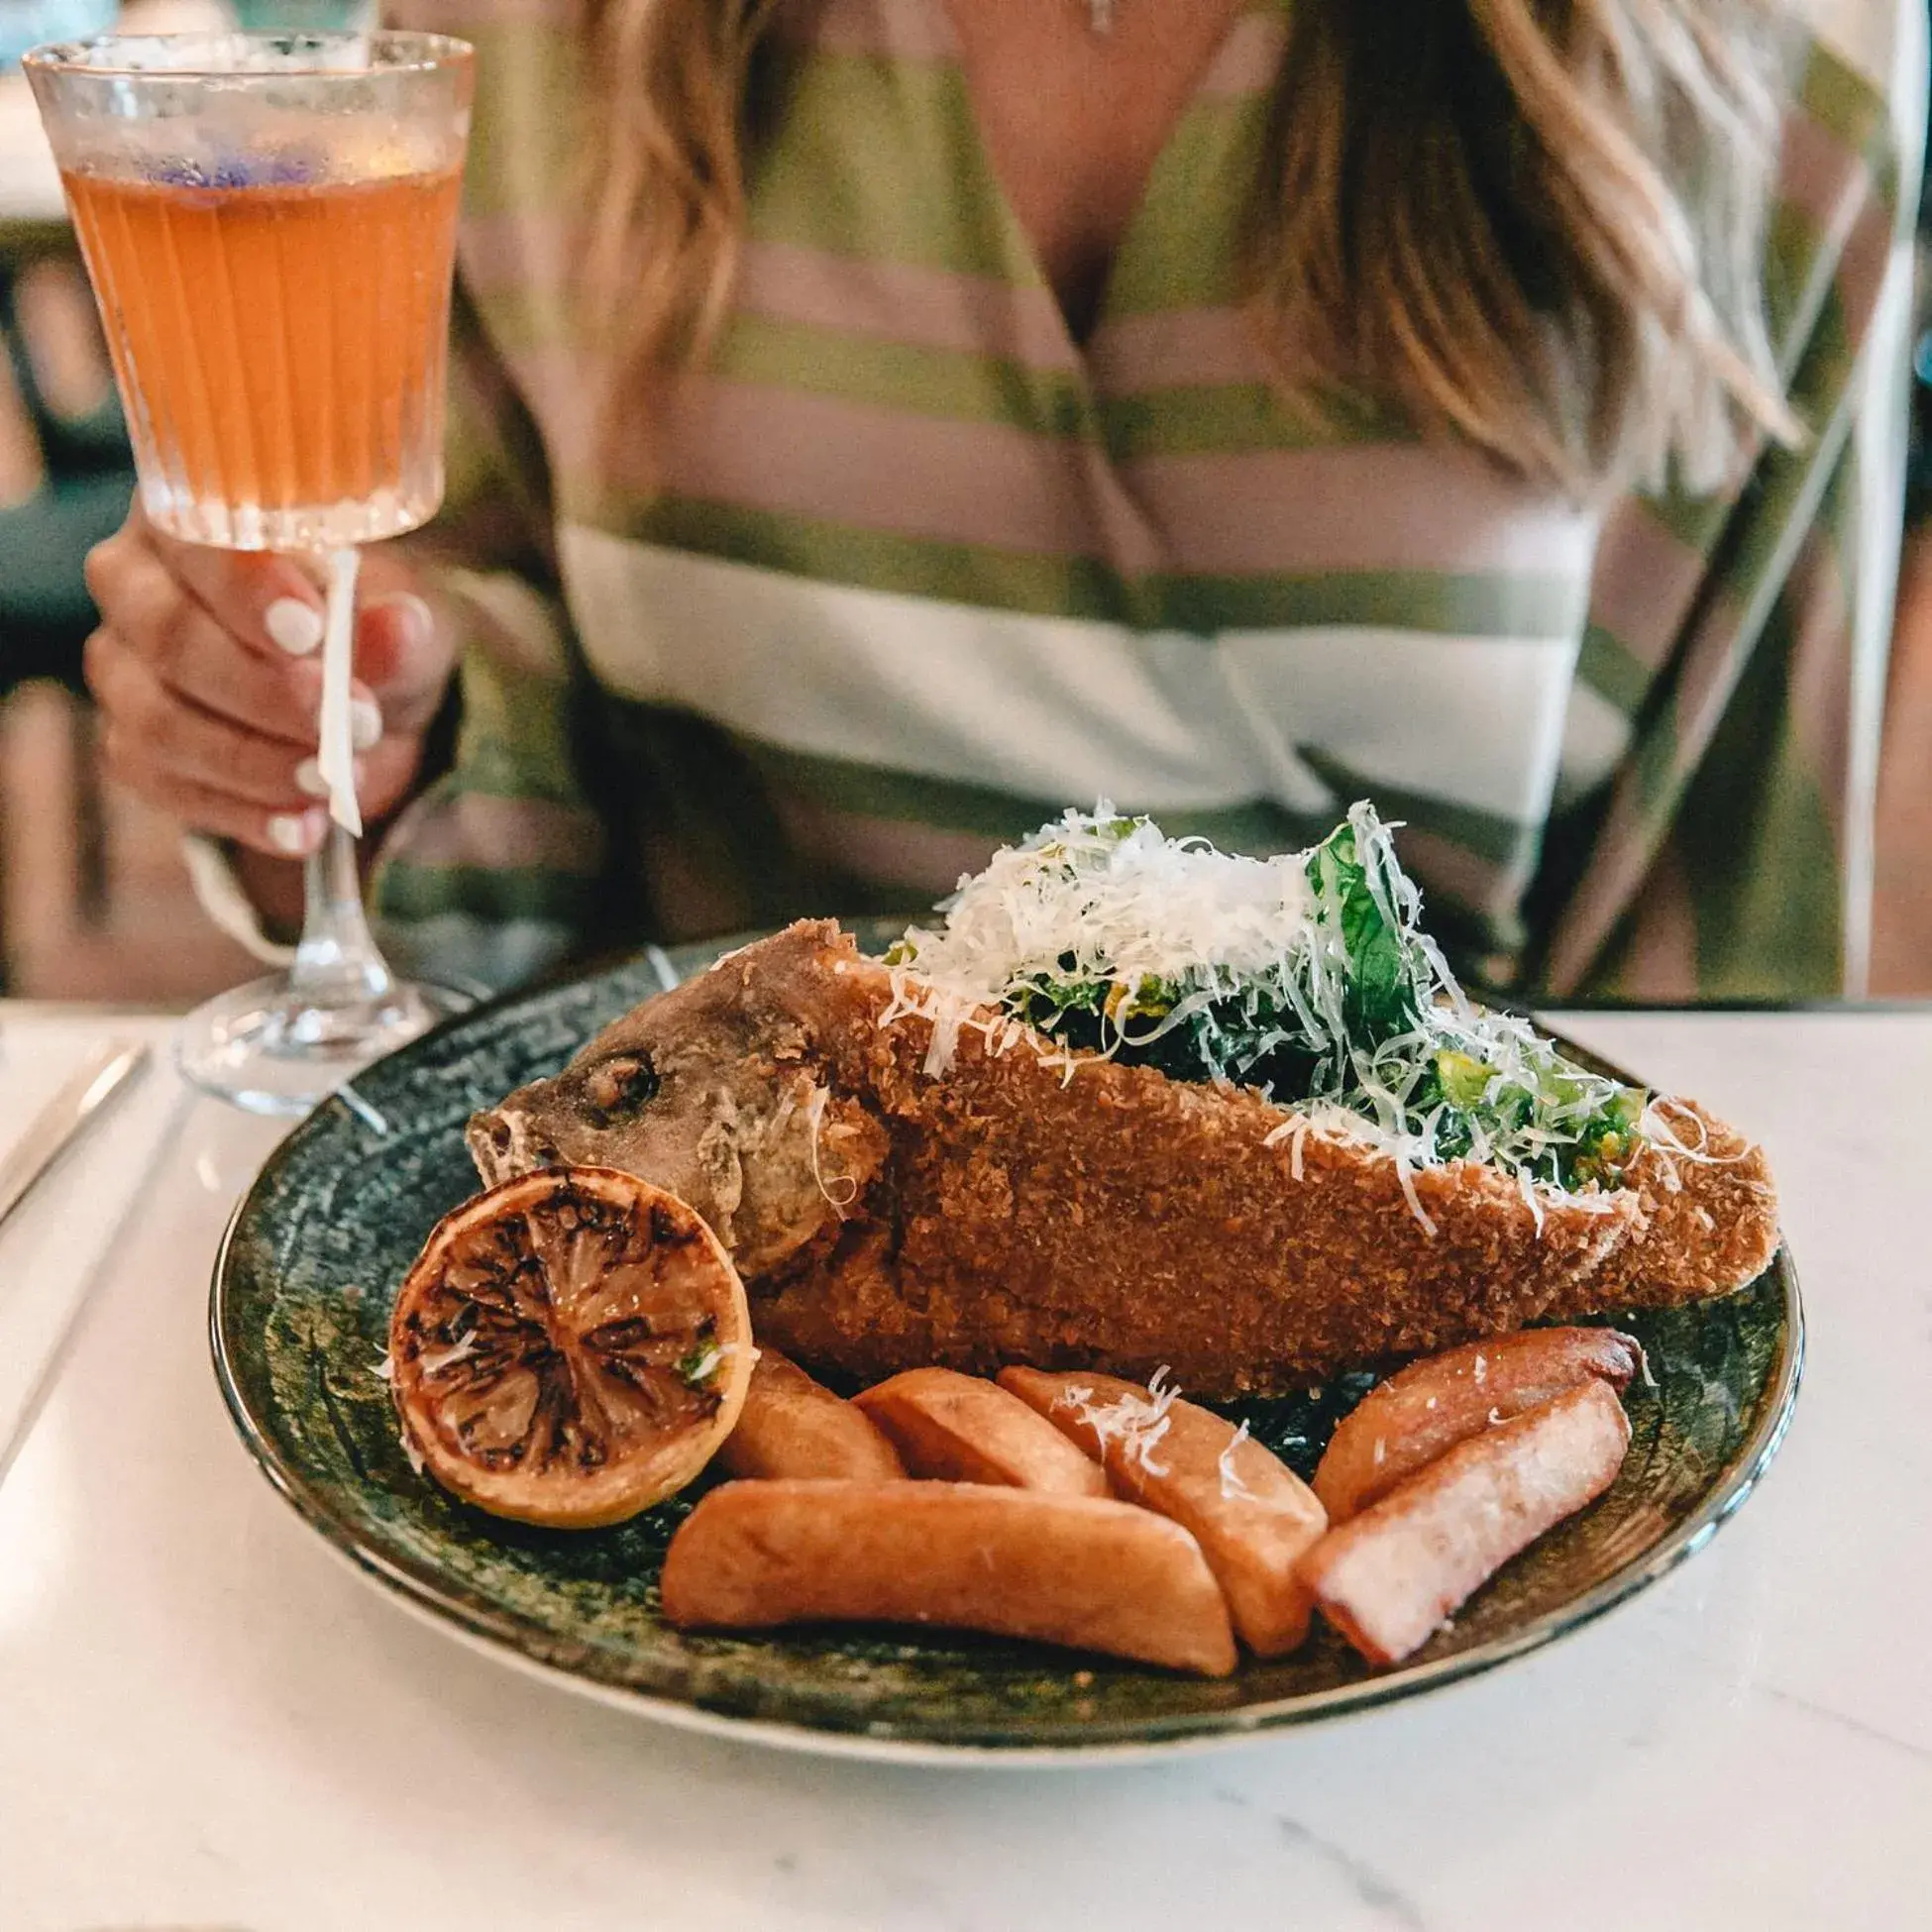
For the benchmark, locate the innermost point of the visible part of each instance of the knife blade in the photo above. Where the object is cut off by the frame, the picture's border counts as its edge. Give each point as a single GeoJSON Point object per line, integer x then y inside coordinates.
{"type": "Point", "coordinates": [61, 1123]}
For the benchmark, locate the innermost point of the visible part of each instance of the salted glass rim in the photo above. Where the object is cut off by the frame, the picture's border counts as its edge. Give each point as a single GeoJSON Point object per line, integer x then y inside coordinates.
{"type": "Point", "coordinates": [432, 52]}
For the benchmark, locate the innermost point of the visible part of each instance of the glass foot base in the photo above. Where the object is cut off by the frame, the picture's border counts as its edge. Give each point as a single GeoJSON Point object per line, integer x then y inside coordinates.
{"type": "Point", "coordinates": [270, 1050]}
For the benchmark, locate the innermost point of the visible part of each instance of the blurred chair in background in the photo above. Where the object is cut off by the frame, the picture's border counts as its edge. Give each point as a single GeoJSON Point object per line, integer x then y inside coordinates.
{"type": "Point", "coordinates": [94, 900]}
{"type": "Point", "coordinates": [64, 473]}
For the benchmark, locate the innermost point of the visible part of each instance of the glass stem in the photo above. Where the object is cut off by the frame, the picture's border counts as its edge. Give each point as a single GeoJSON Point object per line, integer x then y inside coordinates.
{"type": "Point", "coordinates": [337, 962]}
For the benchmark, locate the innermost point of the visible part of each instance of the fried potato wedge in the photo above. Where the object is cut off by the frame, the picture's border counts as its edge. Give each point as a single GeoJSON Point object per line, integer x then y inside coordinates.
{"type": "Point", "coordinates": [793, 1426]}
{"type": "Point", "coordinates": [1087, 1572]}
{"type": "Point", "coordinates": [1253, 1517]}
{"type": "Point", "coordinates": [960, 1429]}
{"type": "Point", "coordinates": [1389, 1577]}
{"type": "Point", "coordinates": [1424, 1410]}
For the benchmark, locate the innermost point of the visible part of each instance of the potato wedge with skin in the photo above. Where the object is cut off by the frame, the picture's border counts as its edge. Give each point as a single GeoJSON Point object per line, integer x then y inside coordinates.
{"type": "Point", "coordinates": [793, 1426]}
{"type": "Point", "coordinates": [1389, 1577]}
{"type": "Point", "coordinates": [1424, 1410]}
{"type": "Point", "coordinates": [1087, 1572]}
{"type": "Point", "coordinates": [1253, 1528]}
{"type": "Point", "coordinates": [960, 1429]}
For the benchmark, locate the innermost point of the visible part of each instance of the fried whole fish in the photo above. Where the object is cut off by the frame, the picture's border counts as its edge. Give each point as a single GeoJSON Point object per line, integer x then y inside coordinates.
{"type": "Point", "coordinates": [1016, 1209]}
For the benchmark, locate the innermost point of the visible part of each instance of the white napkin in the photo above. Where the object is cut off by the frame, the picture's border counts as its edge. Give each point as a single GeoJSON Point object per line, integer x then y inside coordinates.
{"type": "Point", "coordinates": [55, 1244]}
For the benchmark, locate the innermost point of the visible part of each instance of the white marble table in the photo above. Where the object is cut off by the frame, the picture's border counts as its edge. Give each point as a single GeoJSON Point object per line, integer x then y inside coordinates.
{"type": "Point", "coordinates": [206, 1722]}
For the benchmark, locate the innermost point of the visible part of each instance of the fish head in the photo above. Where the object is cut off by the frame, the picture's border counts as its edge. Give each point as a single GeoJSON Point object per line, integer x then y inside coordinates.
{"type": "Point", "coordinates": [722, 1091]}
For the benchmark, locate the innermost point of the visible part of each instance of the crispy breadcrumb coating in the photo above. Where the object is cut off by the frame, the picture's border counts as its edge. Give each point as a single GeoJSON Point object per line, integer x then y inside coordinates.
{"type": "Point", "coordinates": [1009, 1210]}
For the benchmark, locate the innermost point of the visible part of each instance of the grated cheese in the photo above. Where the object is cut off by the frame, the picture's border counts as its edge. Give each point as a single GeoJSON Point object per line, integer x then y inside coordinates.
{"type": "Point", "coordinates": [1232, 1488]}
{"type": "Point", "coordinates": [815, 1113]}
{"type": "Point", "coordinates": [458, 1350]}
{"type": "Point", "coordinates": [1127, 907]}
{"type": "Point", "coordinates": [1137, 1422]}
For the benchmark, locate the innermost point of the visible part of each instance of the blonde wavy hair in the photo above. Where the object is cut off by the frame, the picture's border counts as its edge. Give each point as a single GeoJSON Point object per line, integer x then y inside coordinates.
{"type": "Point", "coordinates": [1534, 225]}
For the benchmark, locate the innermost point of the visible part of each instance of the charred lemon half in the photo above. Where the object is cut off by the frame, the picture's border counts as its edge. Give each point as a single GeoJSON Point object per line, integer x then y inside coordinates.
{"type": "Point", "coordinates": [570, 1347]}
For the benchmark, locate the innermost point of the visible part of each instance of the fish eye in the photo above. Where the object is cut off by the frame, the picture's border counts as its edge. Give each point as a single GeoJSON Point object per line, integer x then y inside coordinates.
{"type": "Point", "coordinates": [619, 1088]}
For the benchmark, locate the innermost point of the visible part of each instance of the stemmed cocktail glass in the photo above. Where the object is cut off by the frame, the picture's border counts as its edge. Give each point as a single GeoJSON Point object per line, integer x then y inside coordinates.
{"type": "Point", "coordinates": [270, 223]}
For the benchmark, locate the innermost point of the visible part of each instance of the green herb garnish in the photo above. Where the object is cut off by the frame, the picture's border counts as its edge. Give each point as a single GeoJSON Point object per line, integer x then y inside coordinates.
{"type": "Point", "coordinates": [700, 1365]}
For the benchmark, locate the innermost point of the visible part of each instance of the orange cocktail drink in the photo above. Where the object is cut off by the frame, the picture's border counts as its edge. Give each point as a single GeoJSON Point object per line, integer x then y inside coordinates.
{"type": "Point", "coordinates": [269, 225]}
{"type": "Point", "coordinates": [281, 345]}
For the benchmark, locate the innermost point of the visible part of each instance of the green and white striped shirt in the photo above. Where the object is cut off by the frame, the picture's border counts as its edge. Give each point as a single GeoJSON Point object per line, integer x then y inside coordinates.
{"type": "Point", "coordinates": [903, 569]}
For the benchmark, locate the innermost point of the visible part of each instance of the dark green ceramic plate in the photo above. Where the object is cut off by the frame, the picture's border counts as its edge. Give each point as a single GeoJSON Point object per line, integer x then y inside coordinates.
{"type": "Point", "coordinates": [299, 1320]}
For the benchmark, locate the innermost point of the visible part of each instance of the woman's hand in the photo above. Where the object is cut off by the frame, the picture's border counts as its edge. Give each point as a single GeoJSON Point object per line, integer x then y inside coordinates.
{"type": "Point", "coordinates": [206, 671]}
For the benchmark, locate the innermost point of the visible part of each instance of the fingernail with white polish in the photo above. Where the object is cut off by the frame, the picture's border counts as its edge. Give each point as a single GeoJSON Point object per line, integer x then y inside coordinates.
{"type": "Point", "coordinates": [414, 616]}
{"type": "Point", "coordinates": [309, 779]}
{"type": "Point", "coordinates": [294, 626]}
{"type": "Point", "coordinates": [365, 723]}
{"type": "Point", "coordinates": [289, 831]}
